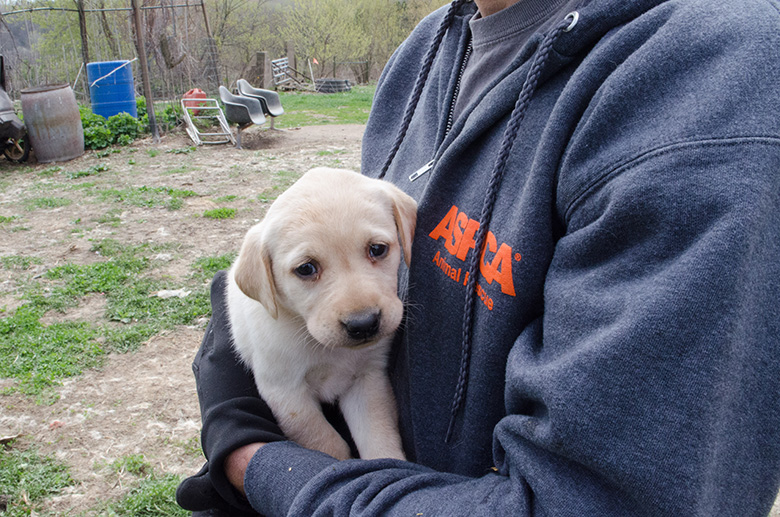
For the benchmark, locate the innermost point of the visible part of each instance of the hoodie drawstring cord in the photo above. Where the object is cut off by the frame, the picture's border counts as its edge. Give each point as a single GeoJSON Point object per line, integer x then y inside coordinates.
{"type": "Point", "coordinates": [508, 139]}
{"type": "Point", "coordinates": [419, 84]}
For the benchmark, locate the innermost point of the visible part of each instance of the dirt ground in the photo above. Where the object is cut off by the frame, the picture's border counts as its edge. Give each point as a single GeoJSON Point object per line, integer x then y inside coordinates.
{"type": "Point", "coordinates": [142, 402]}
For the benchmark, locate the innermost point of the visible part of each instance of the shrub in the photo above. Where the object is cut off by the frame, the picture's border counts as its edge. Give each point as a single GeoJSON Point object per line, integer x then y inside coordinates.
{"type": "Point", "coordinates": [124, 128]}
{"type": "Point", "coordinates": [96, 132]}
{"type": "Point", "coordinates": [140, 104]}
{"type": "Point", "coordinates": [166, 120]}
{"type": "Point", "coordinates": [171, 117]}
{"type": "Point", "coordinates": [99, 133]}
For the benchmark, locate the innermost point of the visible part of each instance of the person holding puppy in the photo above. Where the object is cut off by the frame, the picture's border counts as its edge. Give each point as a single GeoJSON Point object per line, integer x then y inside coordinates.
{"type": "Point", "coordinates": [592, 322]}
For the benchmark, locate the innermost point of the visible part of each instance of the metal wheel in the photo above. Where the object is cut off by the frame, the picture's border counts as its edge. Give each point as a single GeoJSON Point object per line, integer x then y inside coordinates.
{"type": "Point", "coordinates": [17, 149]}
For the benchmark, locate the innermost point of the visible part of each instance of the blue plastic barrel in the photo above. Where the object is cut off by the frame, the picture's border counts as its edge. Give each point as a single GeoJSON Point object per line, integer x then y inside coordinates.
{"type": "Point", "coordinates": [111, 88]}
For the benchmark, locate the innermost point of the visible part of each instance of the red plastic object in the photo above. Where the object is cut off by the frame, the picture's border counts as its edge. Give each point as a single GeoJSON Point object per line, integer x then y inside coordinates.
{"type": "Point", "coordinates": [195, 93]}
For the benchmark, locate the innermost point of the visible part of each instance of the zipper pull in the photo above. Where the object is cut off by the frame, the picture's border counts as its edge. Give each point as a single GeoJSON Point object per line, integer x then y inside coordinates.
{"type": "Point", "coordinates": [422, 170]}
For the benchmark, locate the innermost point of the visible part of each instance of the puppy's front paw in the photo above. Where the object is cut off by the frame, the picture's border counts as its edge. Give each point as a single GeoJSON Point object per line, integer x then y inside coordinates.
{"type": "Point", "coordinates": [327, 440]}
{"type": "Point", "coordinates": [337, 448]}
{"type": "Point", "coordinates": [383, 450]}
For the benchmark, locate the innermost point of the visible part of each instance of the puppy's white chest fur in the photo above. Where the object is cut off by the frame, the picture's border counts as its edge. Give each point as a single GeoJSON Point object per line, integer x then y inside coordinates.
{"type": "Point", "coordinates": [333, 377]}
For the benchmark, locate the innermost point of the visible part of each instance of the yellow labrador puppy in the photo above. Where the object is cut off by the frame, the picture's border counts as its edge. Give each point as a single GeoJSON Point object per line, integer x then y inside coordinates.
{"type": "Point", "coordinates": [313, 305]}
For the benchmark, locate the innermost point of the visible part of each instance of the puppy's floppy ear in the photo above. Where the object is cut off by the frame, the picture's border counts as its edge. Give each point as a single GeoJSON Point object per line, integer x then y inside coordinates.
{"type": "Point", "coordinates": [405, 213]}
{"type": "Point", "coordinates": [253, 272]}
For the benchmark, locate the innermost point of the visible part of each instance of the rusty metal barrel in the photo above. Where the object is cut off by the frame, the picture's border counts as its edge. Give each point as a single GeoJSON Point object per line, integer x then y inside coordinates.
{"type": "Point", "coordinates": [53, 122]}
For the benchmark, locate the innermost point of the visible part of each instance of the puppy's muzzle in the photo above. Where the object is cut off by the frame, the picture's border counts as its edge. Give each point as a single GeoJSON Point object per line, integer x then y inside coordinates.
{"type": "Point", "coordinates": [362, 326]}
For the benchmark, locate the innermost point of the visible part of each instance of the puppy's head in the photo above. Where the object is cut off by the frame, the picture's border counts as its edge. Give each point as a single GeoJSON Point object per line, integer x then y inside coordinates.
{"type": "Point", "coordinates": [328, 252]}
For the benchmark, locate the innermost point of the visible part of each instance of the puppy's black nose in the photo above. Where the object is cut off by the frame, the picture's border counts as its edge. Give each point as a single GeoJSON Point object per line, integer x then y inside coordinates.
{"type": "Point", "coordinates": [362, 325]}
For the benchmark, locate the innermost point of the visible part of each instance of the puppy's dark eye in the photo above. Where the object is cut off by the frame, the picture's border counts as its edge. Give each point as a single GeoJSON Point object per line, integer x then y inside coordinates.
{"type": "Point", "coordinates": [307, 271]}
{"type": "Point", "coordinates": [377, 251]}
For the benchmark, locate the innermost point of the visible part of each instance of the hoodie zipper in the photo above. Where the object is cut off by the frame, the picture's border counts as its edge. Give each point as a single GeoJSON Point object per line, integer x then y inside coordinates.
{"type": "Point", "coordinates": [451, 115]}
{"type": "Point", "coordinates": [464, 62]}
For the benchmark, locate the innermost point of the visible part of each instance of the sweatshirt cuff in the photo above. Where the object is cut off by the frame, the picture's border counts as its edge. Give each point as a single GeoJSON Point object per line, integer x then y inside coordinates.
{"type": "Point", "coordinates": [277, 473]}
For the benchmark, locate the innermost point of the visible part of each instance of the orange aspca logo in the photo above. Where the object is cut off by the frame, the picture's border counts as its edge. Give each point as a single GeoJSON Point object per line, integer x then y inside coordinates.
{"type": "Point", "coordinates": [495, 264]}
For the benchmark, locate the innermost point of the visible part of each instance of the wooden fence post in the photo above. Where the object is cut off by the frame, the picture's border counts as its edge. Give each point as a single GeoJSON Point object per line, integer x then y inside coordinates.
{"type": "Point", "coordinates": [139, 34]}
{"type": "Point", "coordinates": [262, 71]}
{"type": "Point", "coordinates": [291, 55]}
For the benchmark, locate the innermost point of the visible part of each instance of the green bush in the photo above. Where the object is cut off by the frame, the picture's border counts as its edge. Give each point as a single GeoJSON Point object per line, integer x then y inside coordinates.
{"type": "Point", "coordinates": [97, 137]}
{"type": "Point", "coordinates": [140, 104]}
{"type": "Point", "coordinates": [96, 132]}
{"type": "Point", "coordinates": [167, 119]}
{"type": "Point", "coordinates": [99, 133]}
{"type": "Point", "coordinates": [171, 117]}
{"type": "Point", "coordinates": [124, 128]}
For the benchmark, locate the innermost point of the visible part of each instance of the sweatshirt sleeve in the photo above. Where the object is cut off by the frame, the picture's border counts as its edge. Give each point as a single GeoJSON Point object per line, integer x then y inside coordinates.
{"type": "Point", "coordinates": [647, 386]}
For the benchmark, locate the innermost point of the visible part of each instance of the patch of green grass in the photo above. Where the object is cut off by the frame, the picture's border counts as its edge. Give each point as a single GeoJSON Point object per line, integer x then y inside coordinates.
{"type": "Point", "coordinates": [331, 153]}
{"type": "Point", "coordinates": [8, 219]}
{"type": "Point", "coordinates": [38, 356]}
{"type": "Point", "coordinates": [226, 199]}
{"type": "Point", "coordinates": [183, 150]}
{"type": "Point", "coordinates": [182, 193]}
{"type": "Point", "coordinates": [190, 446]}
{"type": "Point", "coordinates": [220, 213]}
{"type": "Point", "coordinates": [129, 338]}
{"type": "Point", "coordinates": [134, 464]}
{"type": "Point", "coordinates": [95, 169]}
{"type": "Point", "coordinates": [85, 185]}
{"type": "Point", "coordinates": [153, 152]}
{"type": "Point", "coordinates": [114, 248]}
{"type": "Point", "coordinates": [19, 262]}
{"type": "Point", "coordinates": [146, 197]}
{"type": "Point", "coordinates": [175, 203]}
{"type": "Point", "coordinates": [50, 171]}
{"type": "Point", "coordinates": [46, 202]}
{"type": "Point", "coordinates": [112, 218]}
{"type": "Point", "coordinates": [153, 497]}
{"type": "Point", "coordinates": [27, 477]}
{"type": "Point", "coordinates": [282, 180]}
{"type": "Point", "coordinates": [101, 277]}
{"type": "Point", "coordinates": [107, 152]}
{"type": "Point", "coordinates": [311, 109]}
{"type": "Point", "coordinates": [206, 267]}
{"type": "Point", "coordinates": [138, 303]}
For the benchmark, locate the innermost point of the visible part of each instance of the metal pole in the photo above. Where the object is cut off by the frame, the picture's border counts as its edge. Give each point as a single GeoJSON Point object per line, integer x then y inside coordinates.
{"type": "Point", "coordinates": [139, 34]}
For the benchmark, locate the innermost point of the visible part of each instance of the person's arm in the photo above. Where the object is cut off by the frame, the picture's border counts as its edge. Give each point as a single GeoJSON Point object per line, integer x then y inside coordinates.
{"type": "Point", "coordinates": [237, 462]}
{"type": "Point", "coordinates": [232, 412]}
